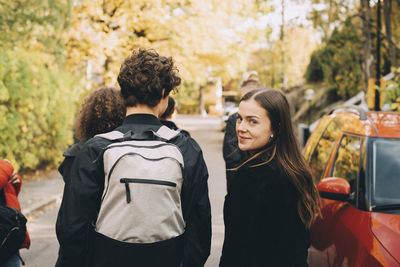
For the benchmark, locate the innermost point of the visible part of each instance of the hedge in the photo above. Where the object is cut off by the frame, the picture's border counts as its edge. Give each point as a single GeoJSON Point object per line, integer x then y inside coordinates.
{"type": "Point", "coordinates": [36, 110]}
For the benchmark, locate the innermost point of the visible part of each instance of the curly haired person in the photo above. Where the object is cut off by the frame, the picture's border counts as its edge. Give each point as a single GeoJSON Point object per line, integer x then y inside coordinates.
{"type": "Point", "coordinates": [101, 111]}
{"type": "Point", "coordinates": [146, 80]}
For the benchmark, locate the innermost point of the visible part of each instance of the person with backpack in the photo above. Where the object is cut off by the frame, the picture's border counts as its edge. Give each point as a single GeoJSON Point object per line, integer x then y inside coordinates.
{"type": "Point", "coordinates": [101, 111]}
{"type": "Point", "coordinates": [138, 196]}
{"type": "Point", "coordinates": [13, 233]}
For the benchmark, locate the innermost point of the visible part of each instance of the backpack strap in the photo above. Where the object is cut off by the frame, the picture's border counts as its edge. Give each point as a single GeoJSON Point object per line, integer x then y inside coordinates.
{"type": "Point", "coordinates": [114, 135]}
{"type": "Point", "coordinates": [163, 133]}
{"type": "Point", "coordinates": [167, 133]}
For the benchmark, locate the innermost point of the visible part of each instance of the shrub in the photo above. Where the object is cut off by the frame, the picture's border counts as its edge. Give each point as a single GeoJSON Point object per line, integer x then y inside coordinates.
{"type": "Point", "coordinates": [36, 109]}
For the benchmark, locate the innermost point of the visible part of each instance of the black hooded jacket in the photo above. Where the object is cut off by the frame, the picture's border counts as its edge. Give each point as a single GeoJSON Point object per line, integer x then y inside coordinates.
{"type": "Point", "coordinates": [84, 183]}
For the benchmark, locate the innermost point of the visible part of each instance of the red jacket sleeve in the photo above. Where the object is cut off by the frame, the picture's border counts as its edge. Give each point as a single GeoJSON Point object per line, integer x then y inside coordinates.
{"type": "Point", "coordinates": [6, 170]}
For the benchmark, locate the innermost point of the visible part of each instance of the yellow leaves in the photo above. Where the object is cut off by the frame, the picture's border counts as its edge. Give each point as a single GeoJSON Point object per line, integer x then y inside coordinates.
{"type": "Point", "coordinates": [23, 126]}
{"type": "Point", "coordinates": [348, 159]}
{"type": "Point", "coordinates": [4, 96]}
{"type": "Point", "coordinates": [36, 120]}
{"type": "Point", "coordinates": [198, 35]}
{"type": "Point", "coordinates": [395, 106]}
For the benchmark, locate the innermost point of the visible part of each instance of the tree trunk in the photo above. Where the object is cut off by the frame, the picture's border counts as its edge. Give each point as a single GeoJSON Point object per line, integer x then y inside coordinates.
{"type": "Point", "coordinates": [368, 58]}
{"type": "Point", "coordinates": [201, 109]}
{"type": "Point", "coordinates": [282, 38]}
{"type": "Point", "coordinates": [387, 9]}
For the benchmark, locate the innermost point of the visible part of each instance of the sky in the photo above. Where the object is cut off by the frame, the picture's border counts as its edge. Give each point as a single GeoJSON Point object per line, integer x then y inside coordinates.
{"type": "Point", "coordinates": [296, 13]}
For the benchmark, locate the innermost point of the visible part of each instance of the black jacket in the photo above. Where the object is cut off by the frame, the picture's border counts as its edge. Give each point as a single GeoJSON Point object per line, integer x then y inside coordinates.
{"type": "Point", "coordinates": [69, 157]}
{"type": "Point", "coordinates": [232, 155]}
{"type": "Point", "coordinates": [262, 226]}
{"type": "Point", "coordinates": [82, 195]}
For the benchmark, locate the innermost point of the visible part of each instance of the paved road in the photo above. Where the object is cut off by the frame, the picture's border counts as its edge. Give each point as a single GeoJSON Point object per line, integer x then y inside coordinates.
{"type": "Point", "coordinates": [206, 132]}
{"type": "Point", "coordinates": [43, 252]}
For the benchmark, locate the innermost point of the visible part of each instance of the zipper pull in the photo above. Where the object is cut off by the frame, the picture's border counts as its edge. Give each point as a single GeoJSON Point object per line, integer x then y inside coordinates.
{"type": "Point", "coordinates": [100, 155]}
{"type": "Point", "coordinates": [127, 190]}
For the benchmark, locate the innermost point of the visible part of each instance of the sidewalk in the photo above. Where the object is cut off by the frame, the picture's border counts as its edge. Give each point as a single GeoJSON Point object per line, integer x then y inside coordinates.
{"type": "Point", "coordinates": [38, 194]}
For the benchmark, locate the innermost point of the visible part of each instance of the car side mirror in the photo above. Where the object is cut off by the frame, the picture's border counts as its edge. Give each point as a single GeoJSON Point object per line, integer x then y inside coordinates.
{"type": "Point", "coordinates": [334, 188]}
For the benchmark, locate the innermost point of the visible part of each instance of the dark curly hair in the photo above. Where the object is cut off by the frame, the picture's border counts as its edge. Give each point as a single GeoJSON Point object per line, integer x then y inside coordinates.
{"type": "Point", "coordinates": [144, 75]}
{"type": "Point", "coordinates": [101, 111]}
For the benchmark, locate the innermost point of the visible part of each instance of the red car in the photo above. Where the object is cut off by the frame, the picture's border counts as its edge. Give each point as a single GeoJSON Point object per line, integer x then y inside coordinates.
{"type": "Point", "coordinates": [355, 159]}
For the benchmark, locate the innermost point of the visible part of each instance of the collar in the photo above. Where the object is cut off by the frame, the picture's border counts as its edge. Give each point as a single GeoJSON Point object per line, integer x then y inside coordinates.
{"type": "Point", "coordinates": [141, 118]}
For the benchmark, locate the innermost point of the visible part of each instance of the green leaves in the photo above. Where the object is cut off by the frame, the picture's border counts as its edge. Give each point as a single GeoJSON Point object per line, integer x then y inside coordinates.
{"type": "Point", "coordinates": [36, 110]}
{"type": "Point", "coordinates": [339, 61]}
{"type": "Point", "coordinates": [392, 92]}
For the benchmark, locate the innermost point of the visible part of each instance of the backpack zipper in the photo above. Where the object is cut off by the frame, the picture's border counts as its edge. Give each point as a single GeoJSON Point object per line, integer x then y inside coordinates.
{"type": "Point", "coordinates": [129, 154]}
{"type": "Point", "coordinates": [16, 228]}
{"type": "Point", "coordinates": [127, 181]}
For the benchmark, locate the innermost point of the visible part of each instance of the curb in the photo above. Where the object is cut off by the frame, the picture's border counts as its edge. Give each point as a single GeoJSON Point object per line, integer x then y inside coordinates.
{"type": "Point", "coordinates": [33, 210]}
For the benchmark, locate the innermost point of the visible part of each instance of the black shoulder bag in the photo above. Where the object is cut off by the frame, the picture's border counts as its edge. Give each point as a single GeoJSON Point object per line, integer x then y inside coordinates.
{"type": "Point", "coordinates": [12, 229]}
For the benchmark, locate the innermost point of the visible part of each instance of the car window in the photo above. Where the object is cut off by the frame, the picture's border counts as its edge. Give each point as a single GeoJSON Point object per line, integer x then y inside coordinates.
{"type": "Point", "coordinates": [314, 138]}
{"type": "Point", "coordinates": [386, 171]}
{"type": "Point", "coordinates": [347, 160]}
{"type": "Point", "coordinates": [322, 152]}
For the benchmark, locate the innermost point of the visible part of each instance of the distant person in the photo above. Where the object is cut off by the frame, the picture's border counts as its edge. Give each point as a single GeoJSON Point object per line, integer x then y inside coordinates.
{"type": "Point", "coordinates": [231, 153]}
{"type": "Point", "coordinates": [138, 196]}
{"type": "Point", "coordinates": [101, 111]}
{"type": "Point", "coordinates": [10, 186]}
{"type": "Point", "coordinates": [166, 117]}
{"type": "Point", "coordinates": [272, 201]}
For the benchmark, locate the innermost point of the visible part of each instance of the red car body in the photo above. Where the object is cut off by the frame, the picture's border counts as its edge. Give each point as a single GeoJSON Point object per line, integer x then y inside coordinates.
{"type": "Point", "coordinates": [354, 230]}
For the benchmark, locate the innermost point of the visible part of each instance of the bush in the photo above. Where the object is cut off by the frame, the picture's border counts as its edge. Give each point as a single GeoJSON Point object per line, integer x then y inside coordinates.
{"type": "Point", "coordinates": [338, 62]}
{"type": "Point", "coordinates": [392, 92]}
{"type": "Point", "coordinates": [36, 110]}
{"type": "Point", "coordinates": [314, 72]}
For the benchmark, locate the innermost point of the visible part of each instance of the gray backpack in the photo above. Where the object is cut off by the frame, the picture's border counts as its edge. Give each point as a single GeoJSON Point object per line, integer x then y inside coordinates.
{"type": "Point", "coordinates": [141, 200]}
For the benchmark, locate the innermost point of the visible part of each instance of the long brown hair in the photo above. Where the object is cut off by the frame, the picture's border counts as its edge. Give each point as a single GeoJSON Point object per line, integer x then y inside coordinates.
{"type": "Point", "coordinates": [286, 151]}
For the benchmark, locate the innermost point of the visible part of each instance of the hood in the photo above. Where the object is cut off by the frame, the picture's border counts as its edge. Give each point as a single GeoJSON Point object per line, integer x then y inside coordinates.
{"type": "Point", "coordinates": [74, 149]}
{"type": "Point", "coordinates": [386, 228]}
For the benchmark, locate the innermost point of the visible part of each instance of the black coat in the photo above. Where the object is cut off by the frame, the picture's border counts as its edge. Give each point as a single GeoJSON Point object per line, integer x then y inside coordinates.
{"type": "Point", "coordinates": [262, 226]}
{"type": "Point", "coordinates": [69, 157]}
{"type": "Point", "coordinates": [84, 177]}
{"type": "Point", "coordinates": [230, 150]}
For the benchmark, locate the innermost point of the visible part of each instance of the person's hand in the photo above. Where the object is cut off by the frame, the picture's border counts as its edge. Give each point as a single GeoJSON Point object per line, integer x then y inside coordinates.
{"type": "Point", "coordinates": [14, 179]}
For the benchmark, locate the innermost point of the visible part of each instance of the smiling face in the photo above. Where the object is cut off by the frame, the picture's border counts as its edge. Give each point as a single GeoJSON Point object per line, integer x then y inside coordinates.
{"type": "Point", "coordinates": [253, 127]}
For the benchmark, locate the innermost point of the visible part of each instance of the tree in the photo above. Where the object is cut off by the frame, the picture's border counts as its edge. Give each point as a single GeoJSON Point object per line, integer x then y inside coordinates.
{"type": "Point", "coordinates": [204, 37]}
{"type": "Point", "coordinates": [326, 15]}
{"type": "Point", "coordinates": [367, 43]}
{"type": "Point", "coordinates": [33, 83]}
{"type": "Point", "coordinates": [387, 10]}
{"type": "Point", "coordinates": [34, 25]}
{"type": "Point", "coordinates": [341, 59]}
